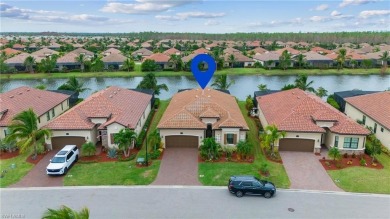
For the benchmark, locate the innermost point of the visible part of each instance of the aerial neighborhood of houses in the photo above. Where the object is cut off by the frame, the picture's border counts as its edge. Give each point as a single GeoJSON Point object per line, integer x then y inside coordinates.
{"type": "Point", "coordinates": [266, 128]}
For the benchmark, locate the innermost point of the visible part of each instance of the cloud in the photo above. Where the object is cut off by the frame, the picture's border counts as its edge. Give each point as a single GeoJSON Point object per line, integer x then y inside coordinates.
{"type": "Point", "coordinates": [276, 23]}
{"type": "Point", "coordinates": [322, 7]}
{"type": "Point", "coordinates": [211, 23]}
{"type": "Point", "coordinates": [187, 15]}
{"type": "Point", "coordinates": [335, 13]}
{"type": "Point", "coordinates": [372, 13]}
{"type": "Point", "coordinates": [355, 2]}
{"type": "Point", "coordinates": [144, 6]}
{"type": "Point", "coordinates": [319, 19]}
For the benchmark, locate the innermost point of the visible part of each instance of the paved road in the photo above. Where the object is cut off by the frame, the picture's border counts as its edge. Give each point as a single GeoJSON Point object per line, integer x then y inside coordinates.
{"type": "Point", "coordinates": [192, 202]}
{"type": "Point", "coordinates": [37, 177]}
{"type": "Point", "coordinates": [306, 172]}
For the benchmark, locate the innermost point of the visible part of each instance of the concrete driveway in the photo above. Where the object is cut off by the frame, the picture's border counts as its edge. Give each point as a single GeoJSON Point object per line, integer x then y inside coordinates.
{"type": "Point", "coordinates": [306, 172]}
{"type": "Point", "coordinates": [37, 177]}
{"type": "Point", "coordinates": [179, 166]}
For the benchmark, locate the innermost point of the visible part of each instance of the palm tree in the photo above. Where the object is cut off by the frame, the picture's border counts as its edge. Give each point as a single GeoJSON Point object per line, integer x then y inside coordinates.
{"type": "Point", "coordinates": [222, 83]}
{"type": "Point", "coordinates": [321, 92]}
{"type": "Point", "coordinates": [300, 60]}
{"type": "Point", "coordinates": [285, 59]}
{"type": "Point", "coordinates": [128, 64]}
{"type": "Point", "coordinates": [125, 140]}
{"type": "Point", "coordinates": [74, 85]}
{"type": "Point", "coordinates": [41, 86]}
{"type": "Point", "coordinates": [154, 139]}
{"type": "Point", "coordinates": [385, 58]}
{"type": "Point", "coordinates": [24, 131]}
{"type": "Point", "coordinates": [301, 83]}
{"type": "Point", "coordinates": [341, 57]}
{"type": "Point", "coordinates": [81, 59]}
{"type": "Point", "coordinates": [334, 153]}
{"type": "Point", "coordinates": [175, 59]}
{"type": "Point", "coordinates": [66, 213]}
{"type": "Point", "coordinates": [272, 134]}
{"type": "Point", "coordinates": [29, 63]}
{"type": "Point", "coordinates": [262, 87]}
{"type": "Point", "coordinates": [288, 87]}
{"type": "Point", "coordinates": [150, 82]}
{"type": "Point", "coordinates": [232, 60]}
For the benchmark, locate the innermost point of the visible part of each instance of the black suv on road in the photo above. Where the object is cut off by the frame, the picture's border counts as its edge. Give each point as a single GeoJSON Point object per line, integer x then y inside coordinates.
{"type": "Point", "coordinates": [241, 185]}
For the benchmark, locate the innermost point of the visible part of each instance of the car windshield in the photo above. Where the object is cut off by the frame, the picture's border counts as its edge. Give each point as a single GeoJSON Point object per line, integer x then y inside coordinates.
{"type": "Point", "coordinates": [58, 160]}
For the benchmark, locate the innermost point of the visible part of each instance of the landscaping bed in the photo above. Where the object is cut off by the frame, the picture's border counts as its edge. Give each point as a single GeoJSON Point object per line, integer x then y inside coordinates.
{"type": "Point", "coordinates": [223, 158]}
{"type": "Point", "coordinates": [38, 158]}
{"type": "Point", "coordinates": [350, 162]}
{"type": "Point", "coordinates": [8, 155]}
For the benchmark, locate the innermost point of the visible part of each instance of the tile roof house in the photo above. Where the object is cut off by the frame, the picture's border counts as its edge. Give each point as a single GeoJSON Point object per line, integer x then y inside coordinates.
{"type": "Point", "coordinates": [240, 60]}
{"type": "Point", "coordinates": [18, 61]}
{"type": "Point", "coordinates": [289, 50]}
{"type": "Point", "coordinates": [68, 61]}
{"type": "Point", "coordinates": [45, 52]}
{"type": "Point", "coordinates": [46, 104]}
{"type": "Point", "coordinates": [258, 51]}
{"type": "Point", "coordinates": [161, 60]}
{"type": "Point", "coordinates": [142, 52]}
{"type": "Point", "coordinates": [340, 96]}
{"type": "Point", "coordinates": [201, 51]}
{"type": "Point", "coordinates": [320, 50]}
{"type": "Point", "coordinates": [114, 60]}
{"type": "Point", "coordinates": [373, 110]}
{"type": "Point", "coordinates": [267, 57]}
{"type": "Point", "coordinates": [100, 116]}
{"type": "Point", "coordinates": [172, 51]}
{"type": "Point", "coordinates": [317, 60]}
{"type": "Point", "coordinates": [85, 52]}
{"type": "Point", "coordinates": [10, 51]}
{"type": "Point", "coordinates": [18, 46]}
{"type": "Point", "coordinates": [193, 115]}
{"type": "Point", "coordinates": [111, 51]}
{"type": "Point", "coordinates": [309, 123]}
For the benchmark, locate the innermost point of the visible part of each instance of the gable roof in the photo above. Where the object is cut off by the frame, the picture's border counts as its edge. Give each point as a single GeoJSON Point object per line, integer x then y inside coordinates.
{"type": "Point", "coordinates": [114, 57]}
{"type": "Point", "coordinates": [23, 98]}
{"type": "Point", "coordinates": [188, 106]}
{"type": "Point", "coordinates": [171, 51]}
{"type": "Point", "coordinates": [267, 56]}
{"type": "Point", "coordinates": [143, 52]}
{"type": "Point", "coordinates": [10, 51]}
{"type": "Point", "coordinates": [289, 49]}
{"type": "Point", "coordinates": [118, 105]}
{"type": "Point", "coordinates": [313, 56]}
{"type": "Point", "coordinates": [376, 106]}
{"type": "Point", "coordinates": [67, 58]}
{"type": "Point", "coordinates": [159, 57]}
{"type": "Point", "coordinates": [79, 51]}
{"type": "Point", "coordinates": [296, 110]}
{"type": "Point", "coordinates": [44, 52]}
{"type": "Point", "coordinates": [201, 51]}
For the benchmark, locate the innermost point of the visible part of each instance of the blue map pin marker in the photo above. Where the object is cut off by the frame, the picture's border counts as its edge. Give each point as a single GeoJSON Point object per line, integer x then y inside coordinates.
{"type": "Point", "coordinates": [203, 77]}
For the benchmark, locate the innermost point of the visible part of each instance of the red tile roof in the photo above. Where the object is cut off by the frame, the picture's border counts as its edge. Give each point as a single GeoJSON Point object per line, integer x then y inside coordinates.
{"type": "Point", "coordinates": [376, 106]}
{"type": "Point", "coordinates": [171, 51]}
{"type": "Point", "coordinates": [321, 50]}
{"type": "Point", "coordinates": [119, 105]}
{"type": "Point", "coordinates": [187, 107]}
{"type": "Point", "coordinates": [289, 49]}
{"type": "Point", "coordinates": [159, 57]}
{"type": "Point", "coordinates": [10, 51]}
{"type": "Point", "coordinates": [23, 98]}
{"type": "Point", "coordinates": [295, 110]}
{"type": "Point", "coordinates": [201, 51]}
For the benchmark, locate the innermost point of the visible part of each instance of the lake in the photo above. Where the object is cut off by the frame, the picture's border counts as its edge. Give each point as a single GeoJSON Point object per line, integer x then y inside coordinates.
{"type": "Point", "coordinates": [244, 85]}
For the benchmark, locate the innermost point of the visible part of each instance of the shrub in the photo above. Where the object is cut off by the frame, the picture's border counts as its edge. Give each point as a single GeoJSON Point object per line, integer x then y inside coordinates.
{"type": "Point", "coordinates": [244, 148]}
{"type": "Point", "coordinates": [362, 162]}
{"type": "Point", "coordinates": [264, 167]}
{"type": "Point", "coordinates": [333, 102]}
{"type": "Point", "coordinates": [327, 163]}
{"type": "Point", "coordinates": [369, 148]}
{"type": "Point", "coordinates": [156, 103]}
{"type": "Point", "coordinates": [148, 65]}
{"type": "Point", "coordinates": [155, 154]}
{"type": "Point", "coordinates": [112, 153]}
{"type": "Point", "coordinates": [142, 134]}
{"type": "Point", "coordinates": [131, 157]}
{"type": "Point", "coordinates": [349, 162]}
{"type": "Point", "coordinates": [210, 149]}
{"type": "Point", "coordinates": [353, 155]}
{"type": "Point", "coordinates": [385, 150]}
{"type": "Point", "coordinates": [345, 155]}
{"type": "Point", "coordinates": [338, 164]}
{"type": "Point", "coordinates": [228, 151]}
{"type": "Point", "coordinates": [88, 149]}
{"type": "Point", "coordinates": [40, 149]}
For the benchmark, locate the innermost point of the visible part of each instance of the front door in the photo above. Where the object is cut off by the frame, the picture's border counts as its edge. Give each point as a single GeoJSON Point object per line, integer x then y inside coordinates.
{"type": "Point", "coordinates": [209, 131]}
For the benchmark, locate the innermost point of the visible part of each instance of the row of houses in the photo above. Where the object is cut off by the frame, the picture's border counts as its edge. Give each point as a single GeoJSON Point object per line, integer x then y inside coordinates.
{"type": "Point", "coordinates": [195, 114]}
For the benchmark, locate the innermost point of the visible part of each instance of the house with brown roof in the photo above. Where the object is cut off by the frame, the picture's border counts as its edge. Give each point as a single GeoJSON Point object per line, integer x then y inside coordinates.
{"type": "Point", "coordinates": [68, 61]}
{"type": "Point", "coordinates": [9, 51]}
{"type": "Point", "coordinates": [19, 47]}
{"type": "Point", "coordinates": [317, 60]}
{"type": "Point", "coordinates": [46, 104]}
{"type": "Point", "coordinates": [309, 123]}
{"type": "Point", "coordinates": [113, 61]}
{"type": "Point", "coordinates": [258, 51]}
{"type": "Point", "coordinates": [201, 51]}
{"type": "Point", "coordinates": [321, 50]}
{"type": "Point", "coordinates": [193, 115]}
{"type": "Point", "coordinates": [269, 59]}
{"type": "Point", "coordinates": [141, 53]}
{"type": "Point", "coordinates": [373, 110]}
{"type": "Point", "coordinates": [240, 60]}
{"type": "Point", "coordinates": [111, 51]}
{"type": "Point", "coordinates": [45, 52]}
{"type": "Point", "coordinates": [100, 116]}
{"type": "Point", "coordinates": [18, 61]}
{"type": "Point", "coordinates": [172, 51]}
{"type": "Point", "coordinates": [161, 60]}
{"type": "Point", "coordinates": [289, 50]}
{"type": "Point", "coordinates": [88, 54]}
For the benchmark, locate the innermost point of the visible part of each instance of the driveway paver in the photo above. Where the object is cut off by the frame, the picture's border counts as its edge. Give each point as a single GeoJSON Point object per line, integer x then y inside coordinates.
{"type": "Point", "coordinates": [306, 172]}
{"type": "Point", "coordinates": [179, 166]}
{"type": "Point", "coordinates": [37, 177]}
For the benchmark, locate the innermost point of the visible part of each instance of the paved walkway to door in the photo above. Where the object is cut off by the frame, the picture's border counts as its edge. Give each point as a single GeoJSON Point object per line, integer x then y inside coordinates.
{"type": "Point", "coordinates": [37, 177]}
{"type": "Point", "coordinates": [179, 166]}
{"type": "Point", "coordinates": [306, 172]}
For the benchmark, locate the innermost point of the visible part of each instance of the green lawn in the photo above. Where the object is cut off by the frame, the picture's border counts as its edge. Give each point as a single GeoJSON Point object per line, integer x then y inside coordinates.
{"type": "Point", "coordinates": [14, 175]}
{"type": "Point", "coordinates": [363, 179]}
{"type": "Point", "coordinates": [217, 174]}
{"type": "Point", "coordinates": [229, 71]}
{"type": "Point", "coordinates": [117, 173]}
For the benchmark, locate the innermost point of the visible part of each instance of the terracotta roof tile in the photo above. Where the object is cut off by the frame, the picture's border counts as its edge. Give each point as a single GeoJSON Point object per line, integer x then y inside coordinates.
{"type": "Point", "coordinates": [118, 105]}
{"type": "Point", "coordinates": [10, 51]}
{"type": "Point", "coordinates": [115, 57]}
{"type": "Point", "coordinates": [209, 113]}
{"type": "Point", "coordinates": [172, 51]}
{"type": "Point", "coordinates": [201, 51]}
{"type": "Point", "coordinates": [187, 107]}
{"type": "Point", "coordinates": [376, 106]}
{"type": "Point", "coordinates": [159, 57]}
{"type": "Point", "coordinates": [23, 98]}
{"type": "Point", "coordinates": [294, 110]}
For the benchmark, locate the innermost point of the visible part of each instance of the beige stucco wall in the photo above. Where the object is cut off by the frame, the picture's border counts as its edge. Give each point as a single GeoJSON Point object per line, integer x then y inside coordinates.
{"type": "Point", "coordinates": [246, 64]}
{"type": "Point", "coordinates": [356, 114]}
{"type": "Point", "coordinates": [209, 120]}
{"type": "Point", "coordinates": [192, 132]}
{"type": "Point", "coordinates": [89, 135]}
{"type": "Point", "coordinates": [263, 121]}
{"type": "Point", "coordinates": [58, 110]}
{"type": "Point", "coordinates": [142, 120]}
{"type": "Point", "coordinates": [111, 129]}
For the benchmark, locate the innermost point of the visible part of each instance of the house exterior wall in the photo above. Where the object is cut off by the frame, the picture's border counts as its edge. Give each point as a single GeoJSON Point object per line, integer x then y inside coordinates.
{"type": "Point", "coordinates": [112, 129]}
{"type": "Point", "coordinates": [355, 114]}
{"type": "Point", "coordinates": [263, 121]}
{"type": "Point", "coordinates": [142, 120]}
{"type": "Point", "coordinates": [305, 135]}
{"type": "Point", "coordinates": [209, 120]}
{"type": "Point", "coordinates": [248, 64]}
{"type": "Point", "coordinates": [330, 142]}
{"type": "Point", "coordinates": [193, 132]}
{"type": "Point", "coordinates": [89, 135]}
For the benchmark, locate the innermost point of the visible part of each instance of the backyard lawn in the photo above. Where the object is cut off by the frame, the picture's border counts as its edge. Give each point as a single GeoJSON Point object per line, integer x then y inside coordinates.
{"type": "Point", "coordinates": [217, 174]}
{"type": "Point", "coordinates": [117, 173]}
{"type": "Point", "coordinates": [363, 179]}
{"type": "Point", "coordinates": [229, 71]}
{"type": "Point", "coordinates": [22, 167]}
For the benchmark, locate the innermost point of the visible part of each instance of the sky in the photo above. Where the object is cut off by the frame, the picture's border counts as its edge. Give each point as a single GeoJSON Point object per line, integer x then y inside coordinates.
{"type": "Point", "coordinates": [205, 16]}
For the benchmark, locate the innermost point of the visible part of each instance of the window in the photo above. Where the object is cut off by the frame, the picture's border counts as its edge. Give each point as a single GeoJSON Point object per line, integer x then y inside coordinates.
{"type": "Point", "coordinates": [336, 141]}
{"type": "Point", "coordinates": [69, 155]}
{"type": "Point", "coordinates": [39, 119]}
{"type": "Point", "coordinates": [375, 126]}
{"type": "Point", "coordinates": [382, 129]}
{"type": "Point", "coordinates": [48, 116]}
{"type": "Point", "coordinates": [351, 143]}
{"type": "Point", "coordinates": [6, 132]}
{"type": "Point", "coordinates": [364, 119]}
{"type": "Point", "coordinates": [62, 106]}
{"type": "Point", "coordinates": [257, 184]}
{"type": "Point", "coordinates": [230, 138]}
{"type": "Point", "coordinates": [53, 113]}
{"type": "Point", "coordinates": [246, 183]}
{"type": "Point", "coordinates": [218, 138]}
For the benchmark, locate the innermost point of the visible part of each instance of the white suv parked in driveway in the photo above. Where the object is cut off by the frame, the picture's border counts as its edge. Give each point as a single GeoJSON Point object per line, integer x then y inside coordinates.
{"type": "Point", "coordinates": [62, 161]}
